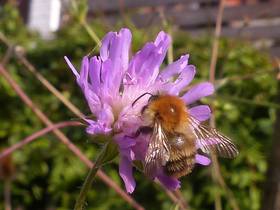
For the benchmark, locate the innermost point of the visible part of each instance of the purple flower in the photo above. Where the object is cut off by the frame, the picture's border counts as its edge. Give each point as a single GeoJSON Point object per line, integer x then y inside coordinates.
{"type": "Point", "coordinates": [112, 81]}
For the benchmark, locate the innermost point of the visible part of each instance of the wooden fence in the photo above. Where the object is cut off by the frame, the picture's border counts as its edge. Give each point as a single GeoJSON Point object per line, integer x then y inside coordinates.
{"type": "Point", "coordinates": [258, 21]}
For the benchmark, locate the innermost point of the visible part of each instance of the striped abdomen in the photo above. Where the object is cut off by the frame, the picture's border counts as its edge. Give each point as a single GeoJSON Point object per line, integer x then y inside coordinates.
{"type": "Point", "coordinates": [182, 156]}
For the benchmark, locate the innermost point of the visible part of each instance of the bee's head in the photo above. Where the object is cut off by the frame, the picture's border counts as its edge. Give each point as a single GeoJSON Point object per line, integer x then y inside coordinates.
{"type": "Point", "coordinates": [152, 97]}
{"type": "Point", "coordinates": [144, 111]}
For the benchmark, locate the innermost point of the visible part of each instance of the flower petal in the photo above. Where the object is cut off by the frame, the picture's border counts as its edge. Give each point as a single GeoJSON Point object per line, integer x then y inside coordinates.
{"type": "Point", "coordinates": [94, 73]}
{"type": "Point", "coordinates": [125, 171]}
{"type": "Point", "coordinates": [144, 66]}
{"type": "Point", "coordinates": [128, 153]}
{"type": "Point", "coordinates": [115, 50]}
{"type": "Point", "coordinates": [201, 112]}
{"type": "Point", "coordinates": [140, 147]}
{"type": "Point", "coordinates": [174, 68]}
{"type": "Point", "coordinates": [169, 182]}
{"type": "Point", "coordinates": [198, 91]}
{"type": "Point", "coordinates": [82, 80]}
{"type": "Point", "coordinates": [202, 160]}
{"type": "Point", "coordinates": [97, 128]}
{"type": "Point", "coordinates": [105, 46]}
{"type": "Point", "coordinates": [183, 80]}
{"type": "Point", "coordinates": [124, 141]}
{"type": "Point", "coordinates": [84, 71]}
{"type": "Point", "coordinates": [103, 125]}
{"type": "Point", "coordinates": [72, 67]}
{"type": "Point", "coordinates": [115, 46]}
{"type": "Point", "coordinates": [106, 115]}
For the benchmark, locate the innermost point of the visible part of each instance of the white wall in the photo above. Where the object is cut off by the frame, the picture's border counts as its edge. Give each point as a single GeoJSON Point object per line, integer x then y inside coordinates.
{"type": "Point", "coordinates": [44, 16]}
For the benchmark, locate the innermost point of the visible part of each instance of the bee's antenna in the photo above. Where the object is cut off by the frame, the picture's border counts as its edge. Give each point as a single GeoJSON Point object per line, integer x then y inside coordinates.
{"type": "Point", "coordinates": [141, 97]}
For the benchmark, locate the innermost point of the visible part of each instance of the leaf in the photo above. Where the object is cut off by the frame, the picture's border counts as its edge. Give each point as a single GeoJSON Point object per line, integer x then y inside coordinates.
{"type": "Point", "coordinates": [177, 207]}
{"type": "Point", "coordinates": [138, 165]}
{"type": "Point", "coordinates": [108, 153]}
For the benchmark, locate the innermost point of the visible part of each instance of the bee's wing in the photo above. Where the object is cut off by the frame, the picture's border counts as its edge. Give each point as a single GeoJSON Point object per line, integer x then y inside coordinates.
{"type": "Point", "coordinates": [157, 153]}
{"type": "Point", "coordinates": [209, 139]}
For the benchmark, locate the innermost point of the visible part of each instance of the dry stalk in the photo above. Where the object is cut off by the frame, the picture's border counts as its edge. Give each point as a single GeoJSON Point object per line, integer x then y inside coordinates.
{"type": "Point", "coordinates": [216, 173]}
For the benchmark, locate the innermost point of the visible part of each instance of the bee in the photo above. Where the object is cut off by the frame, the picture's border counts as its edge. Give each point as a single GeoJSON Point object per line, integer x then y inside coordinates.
{"type": "Point", "coordinates": [175, 136]}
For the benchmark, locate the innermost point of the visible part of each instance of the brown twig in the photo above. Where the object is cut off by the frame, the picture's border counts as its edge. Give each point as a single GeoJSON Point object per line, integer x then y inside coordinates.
{"type": "Point", "coordinates": [215, 47]}
{"type": "Point", "coordinates": [41, 78]}
{"type": "Point", "coordinates": [212, 79]}
{"type": "Point", "coordinates": [49, 86]}
{"type": "Point", "coordinates": [36, 135]}
{"type": "Point", "coordinates": [174, 198]}
{"type": "Point", "coordinates": [216, 173]}
{"type": "Point", "coordinates": [7, 194]}
{"type": "Point", "coordinates": [66, 141]}
{"type": "Point", "coordinates": [181, 198]}
{"type": "Point", "coordinates": [7, 55]}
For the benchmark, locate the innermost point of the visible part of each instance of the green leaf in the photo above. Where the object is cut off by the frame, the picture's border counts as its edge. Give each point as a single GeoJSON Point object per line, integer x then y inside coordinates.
{"type": "Point", "coordinates": [108, 153]}
{"type": "Point", "coordinates": [177, 207]}
{"type": "Point", "coordinates": [138, 164]}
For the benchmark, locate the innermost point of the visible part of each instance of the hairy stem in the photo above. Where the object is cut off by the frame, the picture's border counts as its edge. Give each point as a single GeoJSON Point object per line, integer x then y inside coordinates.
{"type": "Point", "coordinates": [89, 179]}
{"type": "Point", "coordinates": [91, 32]}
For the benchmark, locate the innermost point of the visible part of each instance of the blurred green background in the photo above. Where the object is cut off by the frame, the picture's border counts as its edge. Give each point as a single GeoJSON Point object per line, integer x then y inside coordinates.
{"type": "Point", "coordinates": [48, 176]}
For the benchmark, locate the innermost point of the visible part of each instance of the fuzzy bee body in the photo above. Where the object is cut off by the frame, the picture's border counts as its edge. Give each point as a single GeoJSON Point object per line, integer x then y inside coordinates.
{"type": "Point", "coordinates": [175, 135]}
{"type": "Point", "coordinates": [182, 155]}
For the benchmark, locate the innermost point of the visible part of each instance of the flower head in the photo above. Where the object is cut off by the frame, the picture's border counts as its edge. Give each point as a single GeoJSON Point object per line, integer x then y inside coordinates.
{"type": "Point", "coordinates": [111, 82]}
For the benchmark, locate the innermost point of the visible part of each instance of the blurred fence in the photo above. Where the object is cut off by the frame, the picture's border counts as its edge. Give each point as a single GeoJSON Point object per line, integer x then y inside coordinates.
{"type": "Point", "coordinates": [258, 21]}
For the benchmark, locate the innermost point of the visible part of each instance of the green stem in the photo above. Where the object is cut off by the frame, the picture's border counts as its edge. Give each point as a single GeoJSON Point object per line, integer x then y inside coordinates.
{"type": "Point", "coordinates": [249, 101]}
{"type": "Point", "coordinates": [91, 33]}
{"type": "Point", "coordinates": [81, 15]}
{"type": "Point", "coordinates": [88, 182]}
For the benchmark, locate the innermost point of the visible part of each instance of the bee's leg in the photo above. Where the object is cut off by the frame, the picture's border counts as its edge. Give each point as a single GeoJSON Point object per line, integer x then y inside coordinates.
{"type": "Point", "coordinates": [144, 130]}
{"type": "Point", "coordinates": [141, 130]}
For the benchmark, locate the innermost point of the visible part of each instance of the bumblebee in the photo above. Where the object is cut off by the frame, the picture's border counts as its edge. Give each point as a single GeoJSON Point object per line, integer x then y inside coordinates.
{"type": "Point", "coordinates": [175, 136]}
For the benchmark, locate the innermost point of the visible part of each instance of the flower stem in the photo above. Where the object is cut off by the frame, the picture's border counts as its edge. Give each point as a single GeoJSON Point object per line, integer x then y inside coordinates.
{"type": "Point", "coordinates": [89, 179]}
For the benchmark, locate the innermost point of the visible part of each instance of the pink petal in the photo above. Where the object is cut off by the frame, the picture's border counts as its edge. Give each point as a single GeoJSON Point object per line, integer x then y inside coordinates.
{"type": "Point", "coordinates": [97, 128]}
{"type": "Point", "coordinates": [106, 115]}
{"type": "Point", "coordinates": [174, 68]}
{"type": "Point", "coordinates": [124, 142]}
{"type": "Point", "coordinates": [201, 112]}
{"type": "Point", "coordinates": [202, 160]}
{"type": "Point", "coordinates": [114, 53]}
{"type": "Point", "coordinates": [82, 80]}
{"type": "Point", "coordinates": [125, 171]}
{"type": "Point", "coordinates": [72, 67]}
{"type": "Point", "coordinates": [169, 182]}
{"type": "Point", "coordinates": [144, 66]}
{"type": "Point", "coordinates": [94, 73]}
{"type": "Point", "coordinates": [183, 80]}
{"type": "Point", "coordinates": [198, 91]}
